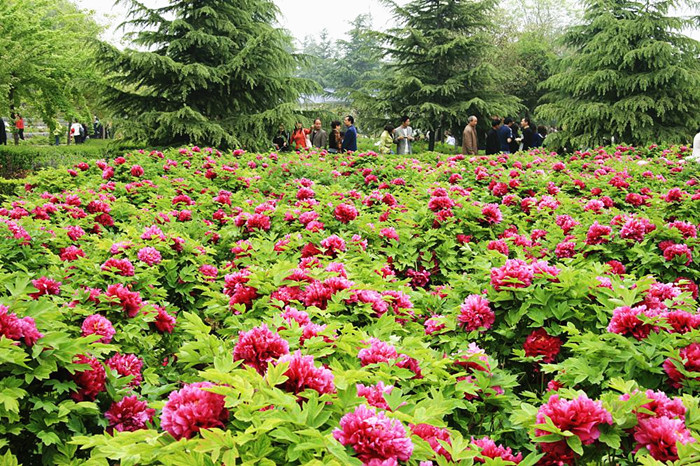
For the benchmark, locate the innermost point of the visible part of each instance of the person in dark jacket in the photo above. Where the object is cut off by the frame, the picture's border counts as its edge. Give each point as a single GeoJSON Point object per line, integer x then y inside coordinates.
{"type": "Point", "coordinates": [528, 133]}
{"type": "Point", "coordinates": [281, 140]}
{"type": "Point", "coordinates": [539, 136]}
{"type": "Point", "coordinates": [515, 139]}
{"type": "Point", "coordinates": [335, 139]}
{"type": "Point", "coordinates": [505, 135]}
{"type": "Point", "coordinates": [350, 139]}
{"type": "Point", "coordinates": [3, 132]}
{"type": "Point", "coordinates": [493, 144]}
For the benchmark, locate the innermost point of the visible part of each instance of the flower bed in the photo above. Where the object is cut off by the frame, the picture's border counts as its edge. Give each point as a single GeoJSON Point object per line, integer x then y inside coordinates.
{"type": "Point", "coordinates": [193, 307]}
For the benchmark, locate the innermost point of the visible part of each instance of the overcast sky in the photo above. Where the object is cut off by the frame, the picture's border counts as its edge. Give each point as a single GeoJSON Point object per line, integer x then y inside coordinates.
{"type": "Point", "coordinates": [300, 17]}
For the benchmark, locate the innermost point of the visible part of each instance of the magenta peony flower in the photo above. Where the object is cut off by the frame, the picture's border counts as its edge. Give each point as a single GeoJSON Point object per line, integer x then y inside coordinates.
{"type": "Point", "coordinates": [258, 347]}
{"type": "Point", "coordinates": [127, 365]}
{"type": "Point", "coordinates": [515, 273]}
{"type": "Point", "coordinates": [598, 234]}
{"type": "Point", "coordinates": [389, 233]}
{"type": "Point", "coordinates": [192, 408]}
{"type": "Point", "coordinates": [71, 253]}
{"type": "Point", "coordinates": [581, 416]}
{"type": "Point", "coordinates": [149, 255]}
{"type": "Point", "coordinates": [377, 352]}
{"type": "Point", "coordinates": [303, 374]}
{"type": "Point", "coordinates": [122, 267]}
{"type": "Point", "coordinates": [14, 328]}
{"type": "Point", "coordinates": [540, 343]}
{"type": "Point", "coordinates": [136, 170]}
{"type": "Point", "coordinates": [91, 382]}
{"type": "Point", "coordinates": [432, 434]}
{"type": "Point", "coordinates": [45, 286]}
{"type": "Point", "coordinates": [333, 244]}
{"type": "Point", "coordinates": [97, 324]}
{"type": "Point", "coordinates": [345, 213]}
{"type": "Point", "coordinates": [374, 436]}
{"type": "Point", "coordinates": [476, 314]}
{"type": "Point", "coordinates": [625, 320]}
{"type": "Point", "coordinates": [129, 415]}
{"type": "Point", "coordinates": [374, 394]}
{"type": "Point", "coordinates": [165, 323]}
{"type": "Point", "coordinates": [689, 359]}
{"type": "Point", "coordinates": [659, 404]}
{"type": "Point", "coordinates": [661, 435]}
{"type": "Point", "coordinates": [130, 300]}
{"type": "Point", "coordinates": [491, 214]}
{"type": "Point", "coordinates": [489, 449]}
{"type": "Point", "coordinates": [681, 251]}
{"type": "Point", "coordinates": [258, 222]}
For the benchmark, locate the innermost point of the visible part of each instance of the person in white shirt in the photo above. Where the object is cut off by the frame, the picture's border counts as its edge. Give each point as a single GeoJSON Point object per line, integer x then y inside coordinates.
{"type": "Point", "coordinates": [403, 136]}
{"type": "Point", "coordinates": [449, 139]}
{"type": "Point", "coordinates": [696, 148]}
{"type": "Point", "coordinates": [75, 130]}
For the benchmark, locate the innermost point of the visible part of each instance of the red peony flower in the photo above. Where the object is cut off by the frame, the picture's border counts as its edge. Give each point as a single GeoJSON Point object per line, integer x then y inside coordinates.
{"type": "Point", "coordinates": [540, 343]}
{"type": "Point", "coordinates": [689, 360]}
{"type": "Point", "coordinates": [91, 382]}
{"type": "Point", "coordinates": [258, 347]}
{"type": "Point", "coordinates": [14, 328]}
{"type": "Point", "coordinates": [191, 409]}
{"type": "Point", "coordinates": [127, 365]}
{"type": "Point", "coordinates": [515, 273]}
{"type": "Point", "coordinates": [345, 213]}
{"type": "Point", "coordinates": [129, 415]}
{"type": "Point", "coordinates": [580, 416]}
{"type": "Point", "coordinates": [476, 314]}
{"type": "Point", "coordinates": [122, 267]}
{"type": "Point", "coordinates": [45, 286]}
{"type": "Point", "coordinates": [97, 324]}
{"type": "Point", "coordinates": [432, 435]}
{"type": "Point", "coordinates": [302, 374]}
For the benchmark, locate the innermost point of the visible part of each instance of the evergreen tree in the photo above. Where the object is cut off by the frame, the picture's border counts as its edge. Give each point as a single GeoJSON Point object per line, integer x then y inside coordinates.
{"type": "Point", "coordinates": [439, 72]}
{"type": "Point", "coordinates": [208, 72]}
{"type": "Point", "coordinates": [632, 75]}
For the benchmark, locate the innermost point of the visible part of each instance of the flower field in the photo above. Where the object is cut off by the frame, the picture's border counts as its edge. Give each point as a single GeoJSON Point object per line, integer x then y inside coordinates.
{"type": "Point", "coordinates": [199, 308]}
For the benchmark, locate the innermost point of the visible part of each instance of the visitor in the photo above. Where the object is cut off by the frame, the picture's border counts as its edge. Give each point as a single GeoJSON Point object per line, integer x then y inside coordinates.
{"type": "Point", "coordinates": [528, 134]}
{"type": "Point", "coordinates": [505, 135]}
{"type": "Point", "coordinates": [386, 141]}
{"type": "Point", "coordinates": [696, 147]}
{"type": "Point", "coordinates": [403, 137]}
{"type": "Point", "coordinates": [3, 132]}
{"type": "Point", "coordinates": [281, 140]}
{"type": "Point", "coordinates": [350, 139]}
{"type": "Point", "coordinates": [538, 138]}
{"type": "Point", "coordinates": [319, 138]}
{"type": "Point", "coordinates": [75, 130]}
{"type": "Point", "coordinates": [84, 132]}
{"type": "Point", "coordinates": [299, 138]}
{"type": "Point", "coordinates": [515, 145]}
{"type": "Point", "coordinates": [57, 132]}
{"type": "Point", "coordinates": [19, 124]}
{"type": "Point", "coordinates": [335, 139]}
{"type": "Point", "coordinates": [449, 139]}
{"type": "Point", "coordinates": [493, 143]}
{"type": "Point", "coordinates": [470, 141]}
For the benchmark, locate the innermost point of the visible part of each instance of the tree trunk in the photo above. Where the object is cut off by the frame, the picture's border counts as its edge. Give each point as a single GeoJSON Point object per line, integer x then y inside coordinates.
{"type": "Point", "coordinates": [431, 141]}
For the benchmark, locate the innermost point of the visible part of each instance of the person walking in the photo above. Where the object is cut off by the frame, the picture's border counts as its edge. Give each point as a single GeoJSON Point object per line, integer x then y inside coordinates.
{"type": "Point", "coordinates": [386, 141]}
{"type": "Point", "coordinates": [528, 134]}
{"type": "Point", "coordinates": [505, 135]}
{"type": "Point", "coordinates": [57, 132]}
{"type": "Point", "coordinates": [319, 138]}
{"type": "Point", "coordinates": [335, 140]}
{"type": "Point", "coordinates": [75, 130]}
{"type": "Point", "coordinates": [299, 137]}
{"type": "Point", "coordinates": [3, 132]}
{"type": "Point", "coordinates": [493, 143]}
{"type": "Point", "coordinates": [19, 124]}
{"type": "Point", "coordinates": [350, 139]}
{"type": "Point", "coordinates": [403, 137]}
{"type": "Point", "coordinates": [470, 141]}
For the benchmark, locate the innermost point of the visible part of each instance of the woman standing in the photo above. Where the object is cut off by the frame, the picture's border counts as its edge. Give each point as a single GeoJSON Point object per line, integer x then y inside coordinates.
{"type": "Point", "coordinates": [386, 140]}
{"type": "Point", "coordinates": [19, 124]}
{"type": "Point", "coordinates": [299, 136]}
{"type": "Point", "coordinates": [335, 139]}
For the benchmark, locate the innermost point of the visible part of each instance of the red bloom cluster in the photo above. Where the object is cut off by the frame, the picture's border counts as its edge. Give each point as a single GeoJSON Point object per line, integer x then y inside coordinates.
{"type": "Point", "coordinates": [127, 365]}
{"type": "Point", "coordinates": [302, 374]}
{"type": "Point", "coordinates": [14, 328]}
{"type": "Point", "coordinates": [689, 360]}
{"type": "Point", "coordinates": [191, 409]}
{"type": "Point", "coordinates": [130, 301]}
{"type": "Point", "coordinates": [540, 343]}
{"type": "Point", "coordinates": [489, 449]}
{"type": "Point", "coordinates": [91, 382]}
{"type": "Point", "coordinates": [258, 347]}
{"type": "Point", "coordinates": [129, 415]}
{"type": "Point", "coordinates": [97, 324]}
{"type": "Point", "coordinates": [475, 313]}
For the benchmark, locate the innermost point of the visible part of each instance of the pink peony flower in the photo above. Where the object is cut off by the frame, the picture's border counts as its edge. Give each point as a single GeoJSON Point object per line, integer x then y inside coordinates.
{"type": "Point", "coordinates": [489, 449]}
{"type": "Point", "coordinates": [661, 435]}
{"type": "Point", "coordinates": [476, 314]}
{"type": "Point", "coordinates": [389, 233]}
{"type": "Point", "coordinates": [303, 374]}
{"type": "Point", "coordinates": [345, 213]}
{"type": "Point", "coordinates": [659, 404]}
{"type": "Point", "coordinates": [258, 347]}
{"type": "Point", "coordinates": [165, 323]}
{"type": "Point", "coordinates": [598, 234]}
{"type": "Point", "coordinates": [97, 324]}
{"type": "Point", "coordinates": [71, 253]}
{"type": "Point", "coordinates": [258, 222]}
{"type": "Point", "coordinates": [540, 343]}
{"type": "Point", "coordinates": [432, 435]}
{"type": "Point", "coordinates": [192, 408]}
{"type": "Point", "coordinates": [45, 286]}
{"type": "Point", "coordinates": [130, 300]}
{"type": "Point", "coordinates": [374, 394]}
{"type": "Point", "coordinates": [626, 320]}
{"type": "Point", "coordinates": [129, 415]}
{"type": "Point", "coordinates": [127, 365]}
{"type": "Point", "coordinates": [122, 267]}
{"type": "Point", "coordinates": [374, 437]}
{"type": "Point", "coordinates": [149, 255]}
{"type": "Point", "coordinates": [581, 416]}
{"type": "Point", "coordinates": [516, 273]}
{"type": "Point", "coordinates": [14, 328]}
{"type": "Point", "coordinates": [91, 382]}
{"type": "Point", "coordinates": [491, 214]}
{"type": "Point", "coordinates": [689, 360]}
{"type": "Point", "coordinates": [682, 251]}
{"type": "Point", "coordinates": [377, 352]}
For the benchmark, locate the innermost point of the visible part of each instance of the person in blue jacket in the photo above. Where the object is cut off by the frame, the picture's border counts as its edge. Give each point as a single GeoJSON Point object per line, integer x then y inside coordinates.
{"type": "Point", "coordinates": [505, 135]}
{"type": "Point", "coordinates": [350, 139]}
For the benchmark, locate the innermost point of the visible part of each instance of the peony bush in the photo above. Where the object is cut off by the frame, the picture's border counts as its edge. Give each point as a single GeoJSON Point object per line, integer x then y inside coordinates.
{"type": "Point", "coordinates": [200, 307]}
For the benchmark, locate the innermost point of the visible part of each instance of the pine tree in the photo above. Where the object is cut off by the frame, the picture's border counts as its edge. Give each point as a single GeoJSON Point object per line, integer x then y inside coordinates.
{"type": "Point", "coordinates": [439, 74]}
{"type": "Point", "coordinates": [212, 72]}
{"type": "Point", "coordinates": [632, 75]}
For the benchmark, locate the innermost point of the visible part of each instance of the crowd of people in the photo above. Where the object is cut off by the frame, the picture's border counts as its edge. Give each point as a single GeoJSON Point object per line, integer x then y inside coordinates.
{"type": "Point", "coordinates": [504, 136]}
{"type": "Point", "coordinates": [77, 132]}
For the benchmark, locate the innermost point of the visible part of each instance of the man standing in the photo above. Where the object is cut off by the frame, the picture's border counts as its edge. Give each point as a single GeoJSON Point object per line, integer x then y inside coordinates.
{"type": "Point", "coordinates": [319, 138]}
{"type": "Point", "coordinates": [3, 133]}
{"type": "Point", "coordinates": [403, 136]}
{"type": "Point", "coordinates": [493, 144]}
{"type": "Point", "coordinates": [528, 134]}
{"type": "Point", "coordinates": [470, 142]}
{"type": "Point", "coordinates": [350, 139]}
{"type": "Point", "coordinates": [505, 135]}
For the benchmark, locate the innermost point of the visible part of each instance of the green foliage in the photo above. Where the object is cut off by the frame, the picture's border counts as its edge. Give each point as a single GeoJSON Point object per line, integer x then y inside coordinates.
{"type": "Point", "coordinates": [632, 75]}
{"type": "Point", "coordinates": [46, 53]}
{"type": "Point", "coordinates": [439, 72]}
{"type": "Point", "coordinates": [212, 72]}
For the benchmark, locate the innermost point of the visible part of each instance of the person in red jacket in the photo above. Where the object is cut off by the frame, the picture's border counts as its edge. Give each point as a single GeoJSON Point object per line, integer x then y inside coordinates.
{"type": "Point", "coordinates": [298, 137]}
{"type": "Point", "coordinates": [19, 124]}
